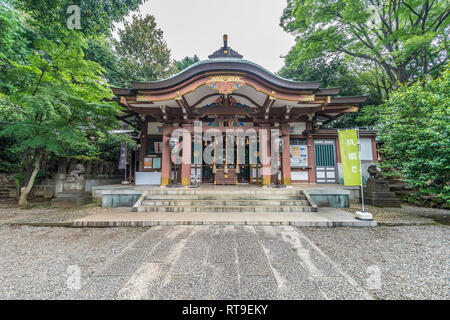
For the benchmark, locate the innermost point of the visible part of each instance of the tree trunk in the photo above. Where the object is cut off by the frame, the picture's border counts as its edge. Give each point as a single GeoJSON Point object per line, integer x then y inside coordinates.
{"type": "Point", "coordinates": [26, 190]}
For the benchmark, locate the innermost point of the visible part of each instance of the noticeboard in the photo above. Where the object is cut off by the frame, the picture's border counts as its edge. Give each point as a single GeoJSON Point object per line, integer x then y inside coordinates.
{"type": "Point", "coordinates": [299, 156]}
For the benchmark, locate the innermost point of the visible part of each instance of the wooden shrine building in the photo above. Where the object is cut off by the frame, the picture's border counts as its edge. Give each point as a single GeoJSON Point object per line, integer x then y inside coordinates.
{"type": "Point", "coordinates": [227, 91]}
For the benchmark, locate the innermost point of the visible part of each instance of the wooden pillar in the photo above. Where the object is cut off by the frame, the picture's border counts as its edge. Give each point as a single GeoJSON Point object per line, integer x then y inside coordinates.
{"type": "Point", "coordinates": [311, 163]}
{"type": "Point", "coordinates": [143, 143]}
{"type": "Point", "coordinates": [286, 157]}
{"type": "Point", "coordinates": [166, 163]}
{"type": "Point", "coordinates": [187, 154]}
{"type": "Point", "coordinates": [374, 149]}
{"type": "Point", "coordinates": [265, 158]}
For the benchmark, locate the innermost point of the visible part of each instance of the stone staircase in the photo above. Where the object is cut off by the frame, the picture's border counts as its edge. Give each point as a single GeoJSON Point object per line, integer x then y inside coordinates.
{"type": "Point", "coordinates": [256, 200]}
{"type": "Point", "coordinates": [5, 190]}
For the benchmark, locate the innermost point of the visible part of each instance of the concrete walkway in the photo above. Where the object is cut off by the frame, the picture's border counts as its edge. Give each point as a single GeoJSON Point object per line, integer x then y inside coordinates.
{"type": "Point", "coordinates": [122, 217]}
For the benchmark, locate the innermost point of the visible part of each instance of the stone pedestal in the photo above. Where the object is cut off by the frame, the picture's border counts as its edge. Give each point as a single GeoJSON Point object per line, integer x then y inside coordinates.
{"type": "Point", "coordinates": [377, 193]}
{"type": "Point", "coordinates": [74, 186]}
{"type": "Point", "coordinates": [381, 199]}
{"type": "Point", "coordinates": [71, 199]}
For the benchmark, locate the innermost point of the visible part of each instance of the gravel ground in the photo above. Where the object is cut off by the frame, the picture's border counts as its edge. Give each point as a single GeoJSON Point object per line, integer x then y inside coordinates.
{"type": "Point", "coordinates": [34, 261]}
{"type": "Point", "coordinates": [413, 260]}
{"type": "Point", "coordinates": [225, 262]}
{"type": "Point", "coordinates": [41, 212]}
{"type": "Point", "coordinates": [405, 215]}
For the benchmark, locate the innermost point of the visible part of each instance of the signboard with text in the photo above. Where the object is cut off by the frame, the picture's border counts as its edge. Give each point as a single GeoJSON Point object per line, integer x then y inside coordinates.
{"type": "Point", "coordinates": [299, 156]}
{"type": "Point", "coordinates": [348, 143]}
{"type": "Point", "coordinates": [123, 156]}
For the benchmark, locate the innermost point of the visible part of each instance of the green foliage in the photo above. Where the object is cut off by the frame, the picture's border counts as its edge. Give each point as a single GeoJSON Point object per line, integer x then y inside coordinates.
{"type": "Point", "coordinates": [53, 101]}
{"type": "Point", "coordinates": [143, 53]}
{"type": "Point", "coordinates": [335, 72]}
{"type": "Point", "coordinates": [414, 128]}
{"type": "Point", "coordinates": [109, 145]}
{"type": "Point", "coordinates": [9, 161]}
{"type": "Point", "coordinates": [332, 71]}
{"type": "Point", "coordinates": [97, 17]}
{"type": "Point", "coordinates": [100, 50]}
{"type": "Point", "coordinates": [14, 43]}
{"type": "Point", "coordinates": [140, 54]}
{"type": "Point", "coordinates": [404, 39]}
{"type": "Point", "coordinates": [61, 105]}
{"type": "Point", "coordinates": [186, 62]}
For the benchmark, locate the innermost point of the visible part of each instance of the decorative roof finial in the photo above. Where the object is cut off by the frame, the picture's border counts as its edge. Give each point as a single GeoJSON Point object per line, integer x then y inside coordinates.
{"type": "Point", "coordinates": [225, 51]}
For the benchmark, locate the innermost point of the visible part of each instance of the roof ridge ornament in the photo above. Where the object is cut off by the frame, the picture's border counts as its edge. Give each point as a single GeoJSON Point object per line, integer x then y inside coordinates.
{"type": "Point", "coordinates": [225, 51]}
{"type": "Point", "coordinates": [225, 84]}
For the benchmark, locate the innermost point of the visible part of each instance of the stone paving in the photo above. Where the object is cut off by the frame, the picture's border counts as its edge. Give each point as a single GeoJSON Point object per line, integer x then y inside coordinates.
{"type": "Point", "coordinates": [121, 217]}
{"type": "Point", "coordinates": [222, 262]}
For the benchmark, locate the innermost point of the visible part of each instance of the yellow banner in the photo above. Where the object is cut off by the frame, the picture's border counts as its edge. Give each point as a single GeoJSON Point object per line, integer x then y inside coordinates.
{"type": "Point", "coordinates": [348, 143]}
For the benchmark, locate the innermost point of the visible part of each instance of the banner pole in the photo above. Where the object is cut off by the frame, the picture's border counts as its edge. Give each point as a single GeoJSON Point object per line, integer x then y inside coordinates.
{"type": "Point", "coordinates": [360, 171]}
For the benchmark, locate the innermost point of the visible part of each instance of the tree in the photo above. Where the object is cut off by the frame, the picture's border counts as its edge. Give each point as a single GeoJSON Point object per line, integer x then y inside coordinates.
{"type": "Point", "coordinates": [57, 104]}
{"type": "Point", "coordinates": [100, 50]}
{"type": "Point", "coordinates": [97, 17]}
{"type": "Point", "coordinates": [414, 127]}
{"type": "Point", "coordinates": [404, 39]}
{"type": "Point", "coordinates": [109, 145]}
{"type": "Point", "coordinates": [335, 72]}
{"type": "Point", "coordinates": [143, 53]}
{"type": "Point", "coordinates": [14, 43]}
{"type": "Point", "coordinates": [331, 71]}
{"type": "Point", "coordinates": [186, 62]}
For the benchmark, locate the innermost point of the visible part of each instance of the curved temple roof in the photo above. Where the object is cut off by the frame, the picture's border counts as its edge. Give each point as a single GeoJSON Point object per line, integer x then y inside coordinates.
{"type": "Point", "coordinates": [226, 60]}
{"type": "Point", "coordinates": [228, 84]}
{"type": "Point", "coordinates": [227, 65]}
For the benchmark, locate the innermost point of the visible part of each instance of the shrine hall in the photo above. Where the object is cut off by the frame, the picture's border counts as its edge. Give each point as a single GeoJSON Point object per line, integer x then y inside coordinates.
{"type": "Point", "coordinates": [227, 92]}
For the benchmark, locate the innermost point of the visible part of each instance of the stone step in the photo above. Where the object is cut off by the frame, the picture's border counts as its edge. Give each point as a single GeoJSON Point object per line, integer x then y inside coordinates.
{"type": "Point", "coordinates": [257, 192]}
{"type": "Point", "coordinates": [261, 209]}
{"type": "Point", "coordinates": [225, 196]}
{"type": "Point", "coordinates": [397, 187]}
{"type": "Point", "coordinates": [374, 195]}
{"type": "Point", "coordinates": [217, 202]}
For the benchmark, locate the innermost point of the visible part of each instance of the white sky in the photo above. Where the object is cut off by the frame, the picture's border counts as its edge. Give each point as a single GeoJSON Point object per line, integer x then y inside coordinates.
{"type": "Point", "coordinates": [196, 27]}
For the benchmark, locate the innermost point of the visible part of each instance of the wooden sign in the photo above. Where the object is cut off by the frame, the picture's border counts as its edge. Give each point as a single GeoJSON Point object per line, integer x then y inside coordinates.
{"type": "Point", "coordinates": [158, 147]}
{"type": "Point", "coordinates": [307, 98]}
{"type": "Point", "coordinates": [141, 98]}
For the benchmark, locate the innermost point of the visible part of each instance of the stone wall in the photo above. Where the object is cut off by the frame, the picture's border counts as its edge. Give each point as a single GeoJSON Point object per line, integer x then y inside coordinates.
{"type": "Point", "coordinates": [7, 185]}
{"type": "Point", "coordinates": [71, 175]}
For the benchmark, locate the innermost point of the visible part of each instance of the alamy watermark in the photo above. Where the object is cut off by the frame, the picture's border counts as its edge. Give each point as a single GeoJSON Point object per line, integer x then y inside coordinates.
{"type": "Point", "coordinates": [228, 147]}
{"type": "Point", "coordinates": [74, 20]}
{"type": "Point", "coordinates": [73, 280]}
{"type": "Point", "coordinates": [373, 282]}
